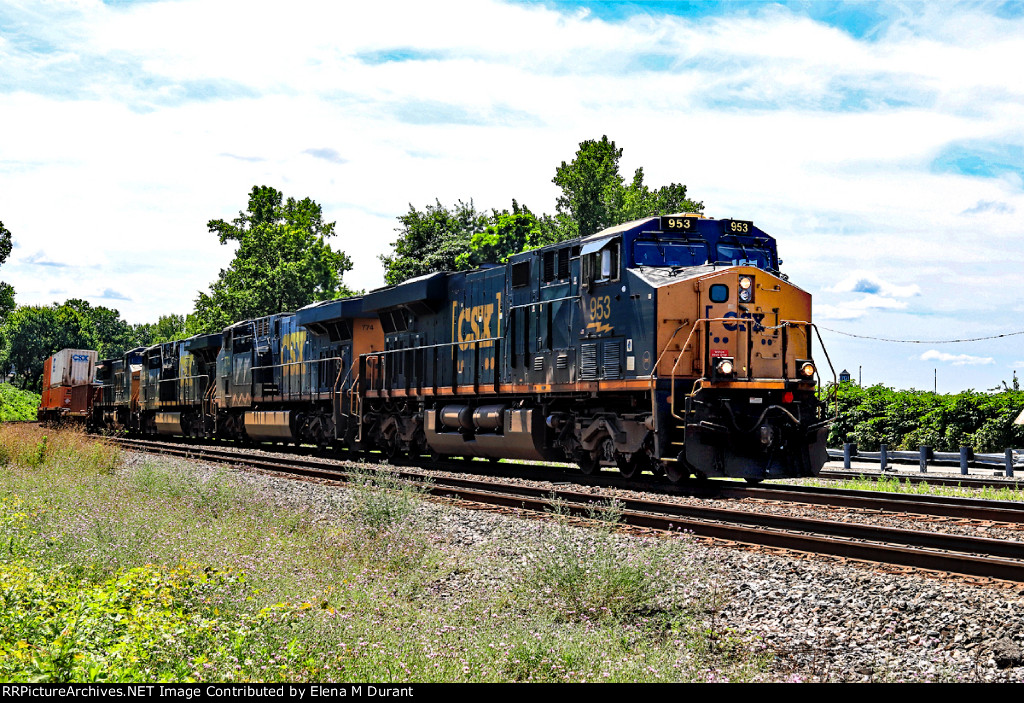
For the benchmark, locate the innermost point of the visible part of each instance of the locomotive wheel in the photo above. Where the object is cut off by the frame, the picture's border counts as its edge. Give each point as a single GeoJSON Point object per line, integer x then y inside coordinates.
{"type": "Point", "coordinates": [588, 462]}
{"type": "Point", "coordinates": [629, 468]}
{"type": "Point", "coordinates": [641, 460]}
{"type": "Point", "coordinates": [676, 472]}
{"type": "Point", "coordinates": [755, 481]}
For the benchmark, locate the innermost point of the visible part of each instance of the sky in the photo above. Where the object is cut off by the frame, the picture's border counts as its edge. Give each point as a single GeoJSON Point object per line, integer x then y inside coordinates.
{"type": "Point", "coordinates": [880, 143]}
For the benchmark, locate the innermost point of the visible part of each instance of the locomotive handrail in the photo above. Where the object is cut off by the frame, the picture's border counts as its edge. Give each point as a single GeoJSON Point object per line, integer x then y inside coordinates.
{"type": "Point", "coordinates": [833, 392]}
{"type": "Point", "coordinates": [654, 372]}
{"type": "Point", "coordinates": [180, 398]}
{"type": "Point", "coordinates": [381, 371]}
{"type": "Point", "coordinates": [294, 363]}
{"type": "Point", "coordinates": [541, 302]}
{"type": "Point", "coordinates": [784, 325]}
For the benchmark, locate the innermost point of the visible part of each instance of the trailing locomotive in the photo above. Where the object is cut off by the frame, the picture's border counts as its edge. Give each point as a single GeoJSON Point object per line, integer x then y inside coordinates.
{"type": "Point", "coordinates": [669, 344]}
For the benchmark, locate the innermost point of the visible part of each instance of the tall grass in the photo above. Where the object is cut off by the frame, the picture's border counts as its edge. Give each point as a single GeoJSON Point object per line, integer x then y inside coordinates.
{"type": "Point", "coordinates": [165, 570]}
{"type": "Point", "coordinates": [894, 484]}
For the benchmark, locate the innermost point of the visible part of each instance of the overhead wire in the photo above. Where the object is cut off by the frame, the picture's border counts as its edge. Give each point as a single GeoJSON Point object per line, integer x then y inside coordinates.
{"type": "Point", "coordinates": [922, 341]}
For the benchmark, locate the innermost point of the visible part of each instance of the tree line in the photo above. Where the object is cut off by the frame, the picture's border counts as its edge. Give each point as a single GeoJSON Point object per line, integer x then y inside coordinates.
{"type": "Point", "coordinates": [284, 260]}
{"type": "Point", "coordinates": [906, 419]}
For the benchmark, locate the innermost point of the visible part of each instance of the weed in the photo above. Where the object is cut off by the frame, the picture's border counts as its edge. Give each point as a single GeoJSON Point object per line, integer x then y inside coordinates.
{"type": "Point", "coordinates": [381, 500]}
{"type": "Point", "coordinates": [595, 575]}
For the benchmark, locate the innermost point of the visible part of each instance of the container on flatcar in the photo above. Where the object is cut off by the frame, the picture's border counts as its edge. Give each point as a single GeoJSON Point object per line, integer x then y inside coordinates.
{"type": "Point", "coordinates": [72, 367]}
{"type": "Point", "coordinates": [67, 385]}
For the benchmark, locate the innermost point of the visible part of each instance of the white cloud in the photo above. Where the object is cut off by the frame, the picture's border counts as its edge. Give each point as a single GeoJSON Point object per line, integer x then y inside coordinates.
{"type": "Point", "coordinates": [864, 282]}
{"type": "Point", "coordinates": [956, 359]}
{"type": "Point", "coordinates": [123, 126]}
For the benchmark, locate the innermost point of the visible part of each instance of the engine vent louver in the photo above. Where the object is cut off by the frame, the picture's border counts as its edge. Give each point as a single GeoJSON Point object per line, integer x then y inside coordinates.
{"type": "Point", "coordinates": [588, 362]}
{"type": "Point", "coordinates": [562, 361]}
{"type": "Point", "coordinates": [612, 360]}
{"type": "Point", "coordinates": [538, 363]}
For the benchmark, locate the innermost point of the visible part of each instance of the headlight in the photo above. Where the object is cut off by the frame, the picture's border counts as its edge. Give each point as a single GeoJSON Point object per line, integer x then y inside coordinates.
{"type": "Point", "coordinates": [746, 289]}
{"type": "Point", "coordinates": [725, 366]}
{"type": "Point", "coordinates": [805, 369]}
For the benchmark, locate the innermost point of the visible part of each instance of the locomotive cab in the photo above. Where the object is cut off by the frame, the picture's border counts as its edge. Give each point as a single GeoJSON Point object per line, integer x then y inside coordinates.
{"type": "Point", "coordinates": [739, 387]}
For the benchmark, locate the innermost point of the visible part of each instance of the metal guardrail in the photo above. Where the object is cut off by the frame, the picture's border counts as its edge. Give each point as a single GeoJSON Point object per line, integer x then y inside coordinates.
{"type": "Point", "coordinates": [1009, 459]}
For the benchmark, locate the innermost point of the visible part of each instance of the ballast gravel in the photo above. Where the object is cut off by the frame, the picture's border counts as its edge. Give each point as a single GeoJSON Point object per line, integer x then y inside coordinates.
{"type": "Point", "coordinates": [822, 618]}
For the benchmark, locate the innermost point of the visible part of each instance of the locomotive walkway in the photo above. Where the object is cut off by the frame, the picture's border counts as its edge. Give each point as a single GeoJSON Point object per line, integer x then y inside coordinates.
{"type": "Point", "coordinates": [972, 556]}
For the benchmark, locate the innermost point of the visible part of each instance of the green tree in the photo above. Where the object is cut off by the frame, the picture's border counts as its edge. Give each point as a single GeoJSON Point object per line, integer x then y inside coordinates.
{"type": "Point", "coordinates": [35, 332]}
{"type": "Point", "coordinates": [906, 419]}
{"type": "Point", "coordinates": [506, 234]}
{"type": "Point", "coordinates": [591, 186]}
{"type": "Point", "coordinates": [594, 195]}
{"type": "Point", "coordinates": [6, 289]}
{"type": "Point", "coordinates": [432, 240]}
{"type": "Point", "coordinates": [283, 262]}
{"type": "Point", "coordinates": [111, 336]}
{"type": "Point", "coordinates": [168, 328]}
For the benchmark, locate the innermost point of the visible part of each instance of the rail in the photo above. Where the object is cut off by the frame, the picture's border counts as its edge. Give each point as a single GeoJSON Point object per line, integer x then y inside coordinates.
{"type": "Point", "coordinates": [287, 379]}
{"type": "Point", "coordinates": [378, 376]}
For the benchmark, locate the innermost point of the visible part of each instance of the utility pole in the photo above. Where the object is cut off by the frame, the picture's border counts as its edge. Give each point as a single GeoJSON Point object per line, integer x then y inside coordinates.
{"type": "Point", "coordinates": [860, 376]}
{"type": "Point", "coordinates": [936, 389]}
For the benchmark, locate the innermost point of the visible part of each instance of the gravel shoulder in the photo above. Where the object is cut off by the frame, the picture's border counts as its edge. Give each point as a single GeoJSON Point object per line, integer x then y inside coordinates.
{"type": "Point", "coordinates": [823, 619]}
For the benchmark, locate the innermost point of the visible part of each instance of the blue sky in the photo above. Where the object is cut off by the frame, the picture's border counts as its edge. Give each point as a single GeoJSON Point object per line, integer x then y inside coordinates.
{"type": "Point", "coordinates": [880, 143]}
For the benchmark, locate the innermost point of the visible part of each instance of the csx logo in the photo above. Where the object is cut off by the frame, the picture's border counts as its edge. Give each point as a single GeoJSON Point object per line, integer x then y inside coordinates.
{"type": "Point", "coordinates": [475, 323]}
{"type": "Point", "coordinates": [79, 357]}
{"type": "Point", "coordinates": [757, 317]}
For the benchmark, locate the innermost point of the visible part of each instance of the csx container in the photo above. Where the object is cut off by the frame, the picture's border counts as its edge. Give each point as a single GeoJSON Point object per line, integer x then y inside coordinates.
{"type": "Point", "coordinates": [71, 367]}
{"type": "Point", "coordinates": [67, 385]}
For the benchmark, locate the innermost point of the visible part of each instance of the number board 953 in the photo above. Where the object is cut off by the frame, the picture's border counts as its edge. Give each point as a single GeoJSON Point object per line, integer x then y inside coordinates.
{"type": "Point", "coordinates": [679, 224]}
{"type": "Point", "coordinates": [738, 226]}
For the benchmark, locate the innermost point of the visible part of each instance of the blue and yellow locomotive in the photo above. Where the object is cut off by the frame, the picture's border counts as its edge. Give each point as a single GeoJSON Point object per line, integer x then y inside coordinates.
{"type": "Point", "coordinates": [669, 344]}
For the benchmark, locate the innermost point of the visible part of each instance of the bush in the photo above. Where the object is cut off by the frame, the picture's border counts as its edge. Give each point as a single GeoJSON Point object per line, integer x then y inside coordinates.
{"type": "Point", "coordinates": [907, 419]}
{"type": "Point", "coordinates": [594, 577]}
{"type": "Point", "coordinates": [16, 404]}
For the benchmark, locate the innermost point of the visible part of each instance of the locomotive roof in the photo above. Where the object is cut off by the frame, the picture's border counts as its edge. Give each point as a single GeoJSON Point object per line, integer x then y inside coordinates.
{"type": "Point", "coordinates": [328, 310]}
{"type": "Point", "coordinates": [422, 289]}
{"type": "Point", "coordinates": [204, 341]}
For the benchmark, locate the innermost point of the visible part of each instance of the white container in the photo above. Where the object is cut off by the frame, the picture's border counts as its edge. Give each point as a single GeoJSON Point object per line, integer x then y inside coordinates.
{"type": "Point", "coordinates": [72, 367]}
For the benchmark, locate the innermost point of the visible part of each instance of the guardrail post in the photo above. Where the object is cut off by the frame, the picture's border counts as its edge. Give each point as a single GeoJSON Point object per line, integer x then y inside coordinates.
{"type": "Point", "coordinates": [848, 450]}
{"type": "Point", "coordinates": [883, 459]}
{"type": "Point", "coordinates": [923, 449]}
{"type": "Point", "coordinates": [965, 456]}
{"type": "Point", "coordinates": [1009, 462]}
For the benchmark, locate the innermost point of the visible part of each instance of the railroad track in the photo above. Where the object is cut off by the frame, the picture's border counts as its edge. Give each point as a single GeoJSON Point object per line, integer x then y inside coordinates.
{"type": "Point", "coordinates": [937, 506]}
{"type": "Point", "coordinates": [972, 556]}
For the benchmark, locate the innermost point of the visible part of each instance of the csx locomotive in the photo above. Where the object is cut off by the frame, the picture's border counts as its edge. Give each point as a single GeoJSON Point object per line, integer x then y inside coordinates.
{"type": "Point", "coordinates": [669, 344]}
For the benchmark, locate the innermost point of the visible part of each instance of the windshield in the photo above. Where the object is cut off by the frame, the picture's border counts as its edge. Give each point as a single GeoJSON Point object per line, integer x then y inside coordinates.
{"type": "Point", "coordinates": [654, 253]}
{"type": "Point", "coordinates": [740, 255]}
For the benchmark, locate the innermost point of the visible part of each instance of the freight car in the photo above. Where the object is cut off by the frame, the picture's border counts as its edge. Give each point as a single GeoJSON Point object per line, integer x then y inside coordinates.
{"type": "Point", "coordinates": [670, 344]}
{"type": "Point", "coordinates": [67, 387]}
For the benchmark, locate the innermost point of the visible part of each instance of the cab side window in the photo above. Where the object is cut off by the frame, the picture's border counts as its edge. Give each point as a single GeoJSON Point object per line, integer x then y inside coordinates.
{"type": "Point", "coordinates": [602, 266]}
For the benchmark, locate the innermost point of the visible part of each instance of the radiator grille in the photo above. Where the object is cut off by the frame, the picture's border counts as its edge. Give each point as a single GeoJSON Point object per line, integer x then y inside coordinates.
{"type": "Point", "coordinates": [588, 362]}
{"type": "Point", "coordinates": [612, 359]}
